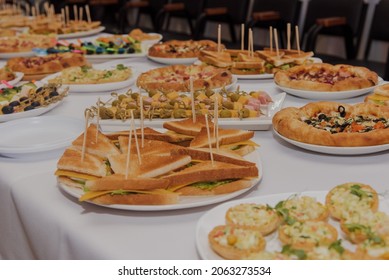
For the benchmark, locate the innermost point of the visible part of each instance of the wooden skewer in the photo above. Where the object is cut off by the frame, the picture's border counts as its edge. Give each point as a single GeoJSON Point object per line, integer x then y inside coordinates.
{"type": "Point", "coordinates": [209, 137]}
{"type": "Point", "coordinates": [297, 39]}
{"type": "Point", "coordinates": [251, 42]}
{"type": "Point", "coordinates": [242, 37]}
{"type": "Point", "coordinates": [75, 11]}
{"type": "Point", "coordinates": [136, 137]}
{"type": "Point", "coordinates": [192, 99]}
{"type": "Point", "coordinates": [219, 34]}
{"type": "Point", "coordinates": [81, 13]}
{"type": "Point", "coordinates": [276, 42]}
{"type": "Point", "coordinates": [67, 15]}
{"type": "Point", "coordinates": [87, 115]}
{"type": "Point", "coordinates": [98, 119]}
{"type": "Point", "coordinates": [271, 38]}
{"type": "Point", "coordinates": [288, 35]}
{"type": "Point", "coordinates": [142, 123]}
{"type": "Point", "coordinates": [33, 12]}
{"type": "Point", "coordinates": [128, 152]}
{"type": "Point", "coordinates": [216, 124]}
{"type": "Point", "coordinates": [37, 9]}
{"type": "Point", "coordinates": [88, 14]}
{"type": "Point", "coordinates": [63, 18]}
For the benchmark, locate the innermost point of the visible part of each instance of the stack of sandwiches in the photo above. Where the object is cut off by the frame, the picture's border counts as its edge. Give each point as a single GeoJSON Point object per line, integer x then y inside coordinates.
{"type": "Point", "coordinates": [156, 172]}
{"type": "Point", "coordinates": [239, 62]}
{"type": "Point", "coordinates": [380, 95]}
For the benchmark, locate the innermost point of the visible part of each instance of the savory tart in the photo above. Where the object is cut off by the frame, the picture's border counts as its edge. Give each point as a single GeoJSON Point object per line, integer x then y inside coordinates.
{"type": "Point", "coordinates": [308, 234]}
{"type": "Point", "coordinates": [329, 123]}
{"type": "Point", "coordinates": [326, 77]}
{"type": "Point", "coordinates": [233, 242]}
{"type": "Point", "coordinates": [349, 199]}
{"type": "Point", "coordinates": [181, 49]}
{"type": "Point", "coordinates": [254, 216]}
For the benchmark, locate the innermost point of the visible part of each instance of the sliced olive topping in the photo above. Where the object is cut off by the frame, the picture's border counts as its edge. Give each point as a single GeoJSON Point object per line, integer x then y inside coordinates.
{"type": "Point", "coordinates": [342, 111]}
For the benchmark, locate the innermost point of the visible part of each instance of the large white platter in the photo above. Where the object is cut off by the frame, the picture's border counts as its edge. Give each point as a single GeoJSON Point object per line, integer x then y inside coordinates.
{"type": "Point", "coordinates": [184, 202]}
{"type": "Point", "coordinates": [261, 123]}
{"type": "Point", "coordinates": [328, 95]}
{"type": "Point", "coordinates": [31, 113]}
{"type": "Point", "coordinates": [29, 136]}
{"type": "Point", "coordinates": [18, 78]}
{"type": "Point", "coordinates": [173, 61]}
{"type": "Point", "coordinates": [216, 216]}
{"type": "Point", "coordinates": [336, 150]}
{"type": "Point", "coordinates": [96, 87]}
{"type": "Point", "coordinates": [81, 34]}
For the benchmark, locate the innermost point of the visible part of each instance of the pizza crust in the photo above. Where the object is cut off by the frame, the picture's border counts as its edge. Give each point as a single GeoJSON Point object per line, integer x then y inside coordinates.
{"type": "Point", "coordinates": [326, 77]}
{"type": "Point", "coordinates": [289, 122]}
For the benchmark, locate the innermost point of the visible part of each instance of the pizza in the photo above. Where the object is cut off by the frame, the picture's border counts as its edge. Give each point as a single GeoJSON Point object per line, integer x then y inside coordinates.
{"type": "Point", "coordinates": [90, 75]}
{"type": "Point", "coordinates": [7, 74]}
{"type": "Point", "coordinates": [326, 77]}
{"type": "Point", "coordinates": [333, 124]}
{"type": "Point", "coordinates": [25, 43]}
{"type": "Point", "coordinates": [46, 64]}
{"type": "Point", "coordinates": [177, 78]}
{"type": "Point", "coordinates": [181, 49]}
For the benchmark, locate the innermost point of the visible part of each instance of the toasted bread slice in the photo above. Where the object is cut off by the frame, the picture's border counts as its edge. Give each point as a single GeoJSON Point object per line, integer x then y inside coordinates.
{"type": "Point", "coordinates": [152, 165]}
{"type": "Point", "coordinates": [101, 146]}
{"type": "Point", "coordinates": [226, 136]}
{"type": "Point", "coordinates": [204, 154]}
{"type": "Point", "coordinates": [149, 146]}
{"type": "Point", "coordinates": [187, 126]}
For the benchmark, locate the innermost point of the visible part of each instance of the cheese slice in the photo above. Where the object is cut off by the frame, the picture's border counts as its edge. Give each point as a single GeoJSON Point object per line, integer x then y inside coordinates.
{"type": "Point", "coordinates": [248, 143]}
{"type": "Point", "coordinates": [93, 194]}
{"type": "Point", "coordinates": [75, 175]}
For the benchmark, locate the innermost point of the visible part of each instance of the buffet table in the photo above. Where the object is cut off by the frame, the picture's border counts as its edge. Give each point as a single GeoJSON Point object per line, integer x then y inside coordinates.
{"type": "Point", "coordinates": [39, 221]}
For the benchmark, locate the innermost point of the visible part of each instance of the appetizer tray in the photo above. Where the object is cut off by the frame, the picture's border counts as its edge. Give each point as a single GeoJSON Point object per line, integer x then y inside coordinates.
{"type": "Point", "coordinates": [261, 123]}
{"type": "Point", "coordinates": [216, 216]}
{"type": "Point", "coordinates": [184, 202]}
{"type": "Point", "coordinates": [32, 136]}
{"type": "Point", "coordinates": [172, 61]}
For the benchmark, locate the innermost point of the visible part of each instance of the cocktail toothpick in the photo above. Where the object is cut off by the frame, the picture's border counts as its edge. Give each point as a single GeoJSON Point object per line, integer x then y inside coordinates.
{"type": "Point", "coordinates": [288, 27]}
{"type": "Point", "coordinates": [242, 37]}
{"type": "Point", "coordinates": [297, 38]}
{"type": "Point", "coordinates": [209, 137]}
{"type": "Point", "coordinates": [192, 99]}
{"type": "Point", "coordinates": [87, 115]}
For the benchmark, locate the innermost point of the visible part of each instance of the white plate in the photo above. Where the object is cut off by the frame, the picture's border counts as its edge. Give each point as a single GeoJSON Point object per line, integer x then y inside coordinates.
{"type": "Point", "coordinates": [216, 216]}
{"type": "Point", "coordinates": [18, 78]}
{"type": "Point", "coordinates": [17, 54]}
{"type": "Point", "coordinates": [81, 34]}
{"type": "Point", "coordinates": [336, 150]}
{"type": "Point", "coordinates": [261, 123]}
{"type": "Point", "coordinates": [31, 113]}
{"type": "Point", "coordinates": [173, 61]}
{"type": "Point", "coordinates": [23, 137]}
{"type": "Point", "coordinates": [184, 202]}
{"type": "Point", "coordinates": [96, 87]}
{"type": "Point", "coordinates": [328, 95]}
{"type": "Point", "coordinates": [254, 76]}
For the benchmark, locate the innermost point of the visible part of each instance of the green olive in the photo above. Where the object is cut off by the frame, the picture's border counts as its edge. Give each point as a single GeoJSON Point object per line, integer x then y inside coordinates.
{"type": "Point", "coordinates": [179, 113]}
{"type": "Point", "coordinates": [131, 106]}
{"type": "Point", "coordinates": [122, 96]}
{"type": "Point", "coordinates": [225, 114]}
{"type": "Point", "coordinates": [165, 114]}
{"type": "Point", "coordinates": [235, 97]}
{"type": "Point", "coordinates": [152, 93]}
{"type": "Point", "coordinates": [245, 113]}
{"type": "Point", "coordinates": [168, 106]}
{"type": "Point", "coordinates": [136, 113]}
{"type": "Point", "coordinates": [209, 92]}
{"type": "Point", "coordinates": [228, 104]}
{"type": "Point", "coordinates": [115, 103]}
{"type": "Point", "coordinates": [134, 95]}
{"type": "Point", "coordinates": [105, 113]}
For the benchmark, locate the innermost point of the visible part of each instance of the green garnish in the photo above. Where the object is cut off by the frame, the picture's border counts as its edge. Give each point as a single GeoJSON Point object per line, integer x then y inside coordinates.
{"type": "Point", "coordinates": [337, 246]}
{"type": "Point", "coordinates": [121, 67]}
{"type": "Point", "coordinates": [288, 250]}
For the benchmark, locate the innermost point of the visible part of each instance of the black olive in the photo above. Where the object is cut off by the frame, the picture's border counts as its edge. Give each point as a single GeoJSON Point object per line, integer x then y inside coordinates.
{"type": "Point", "coordinates": [342, 111]}
{"type": "Point", "coordinates": [24, 98]}
{"type": "Point", "coordinates": [28, 108]}
{"type": "Point", "coordinates": [90, 43]}
{"type": "Point", "coordinates": [130, 50]}
{"type": "Point", "coordinates": [321, 116]}
{"type": "Point", "coordinates": [308, 121]}
{"type": "Point", "coordinates": [36, 104]}
{"type": "Point", "coordinates": [111, 44]}
{"type": "Point", "coordinates": [53, 93]}
{"type": "Point", "coordinates": [7, 109]}
{"type": "Point", "coordinates": [46, 97]}
{"type": "Point", "coordinates": [14, 103]}
{"type": "Point", "coordinates": [89, 52]}
{"type": "Point", "coordinates": [38, 90]}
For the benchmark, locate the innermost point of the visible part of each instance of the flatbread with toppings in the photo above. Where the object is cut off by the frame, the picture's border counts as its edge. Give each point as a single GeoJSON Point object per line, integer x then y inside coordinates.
{"type": "Point", "coordinates": [326, 77]}
{"type": "Point", "coordinates": [335, 124]}
{"type": "Point", "coordinates": [181, 49]}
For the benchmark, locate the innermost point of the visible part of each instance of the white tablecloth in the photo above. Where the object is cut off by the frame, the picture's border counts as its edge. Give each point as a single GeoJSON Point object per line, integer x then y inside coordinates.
{"type": "Point", "coordinates": [39, 221]}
